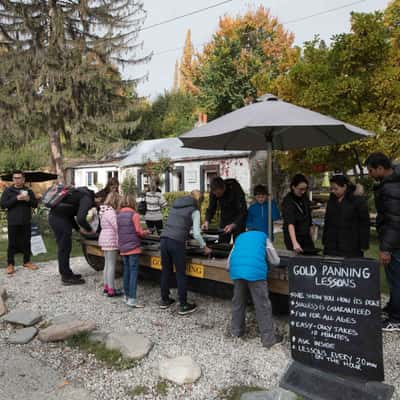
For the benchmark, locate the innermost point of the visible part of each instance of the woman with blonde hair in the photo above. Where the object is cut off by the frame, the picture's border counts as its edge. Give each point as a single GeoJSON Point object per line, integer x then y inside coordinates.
{"type": "Point", "coordinates": [108, 241]}
{"type": "Point", "coordinates": [129, 234]}
{"type": "Point", "coordinates": [183, 216]}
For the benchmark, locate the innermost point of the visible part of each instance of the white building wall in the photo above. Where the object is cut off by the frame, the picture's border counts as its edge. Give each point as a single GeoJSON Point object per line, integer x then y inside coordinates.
{"type": "Point", "coordinates": [81, 176]}
{"type": "Point", "coordinates": [237, 168]}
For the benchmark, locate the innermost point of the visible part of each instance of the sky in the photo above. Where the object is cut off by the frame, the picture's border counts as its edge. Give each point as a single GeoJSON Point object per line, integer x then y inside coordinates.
{"type": "Point", "coordinates": [166, 41]}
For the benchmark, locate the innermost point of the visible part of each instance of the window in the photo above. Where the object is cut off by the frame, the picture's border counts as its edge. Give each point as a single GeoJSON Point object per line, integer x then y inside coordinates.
{"type": "Point", "coordinates": [207, 174]}
{"type": "Point", "coordinates": [178, 182]}
{"type": "Point", "coordinates": [112, 174]}
{"type": "Point", "coordinates": [91, 178]}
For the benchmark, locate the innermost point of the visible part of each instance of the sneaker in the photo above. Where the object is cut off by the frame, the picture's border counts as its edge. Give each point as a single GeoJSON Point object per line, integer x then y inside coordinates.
{"type": "Point", "coordinates": [71, 280]}
{"type": "Point", "coordinates": [31, 266]}
{"type": "Point", "coordinates": [78, 276]}
{"type": "Point", "coordinates": [115, 293]}
{"type": "Point", "coordinates": [132, 303]}
{"type": "Point", "coordinates": [187, 309]}
{"type": "Point", "coordinates": [391, 326]}
{"type": "Point", "coordinates": [10, 269]}
{"type": "Point", "coordinates": [164, 304]}
{"type": "Point", "coordinates": [278, 340]}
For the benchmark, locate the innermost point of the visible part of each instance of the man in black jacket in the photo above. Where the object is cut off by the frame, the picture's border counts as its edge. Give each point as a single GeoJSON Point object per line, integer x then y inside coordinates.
{"type": "Point", "coordinates": [19, 200]}
{"type": "Point", "coordinates": [62, 219]}
{"type": "Point", "coordinates": [229, 196]}
{"type": "Point", "coordinates": [387, 202]}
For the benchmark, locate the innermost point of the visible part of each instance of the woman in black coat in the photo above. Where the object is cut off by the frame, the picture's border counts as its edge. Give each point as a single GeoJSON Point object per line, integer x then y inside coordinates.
{"type": "Point", "coordinates": [297, 221]}
{"type": "Point", "coordinates": [347, 224]}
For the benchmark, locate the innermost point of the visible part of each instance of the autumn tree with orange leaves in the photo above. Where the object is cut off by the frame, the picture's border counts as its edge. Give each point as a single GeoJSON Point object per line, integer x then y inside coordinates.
{"type": "Point", "coordinates": [244, 56]}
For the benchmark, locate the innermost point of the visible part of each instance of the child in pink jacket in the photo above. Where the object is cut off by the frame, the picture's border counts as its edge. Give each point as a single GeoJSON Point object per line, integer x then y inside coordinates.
{"type": "Point", "coordinates": [108, 241]}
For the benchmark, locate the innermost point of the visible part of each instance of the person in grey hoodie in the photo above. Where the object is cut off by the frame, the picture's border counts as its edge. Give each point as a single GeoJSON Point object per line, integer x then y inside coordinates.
{"type": "Point", "coordinates": [387, 203]}
{"type": "Point", "coordinates": [183, 216]}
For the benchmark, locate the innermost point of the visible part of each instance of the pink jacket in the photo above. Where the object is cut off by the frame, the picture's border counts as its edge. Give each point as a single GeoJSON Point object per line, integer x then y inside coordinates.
{"type": "Point", "coordinates": [108, 239]}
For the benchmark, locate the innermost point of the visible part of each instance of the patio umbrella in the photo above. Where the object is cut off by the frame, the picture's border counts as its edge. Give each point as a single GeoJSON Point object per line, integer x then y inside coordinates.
{"type": "Point", "coordinates": [32, 176]}
{"type": "Point", "coordinates": [271, 124]}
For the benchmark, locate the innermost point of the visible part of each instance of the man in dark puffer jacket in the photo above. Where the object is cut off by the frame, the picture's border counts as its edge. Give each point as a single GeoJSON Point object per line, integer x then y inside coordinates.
{"type": "Point", "coordinates": [387, 202]}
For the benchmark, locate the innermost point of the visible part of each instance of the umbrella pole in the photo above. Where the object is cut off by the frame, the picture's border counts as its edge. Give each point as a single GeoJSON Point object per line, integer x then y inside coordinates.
{"type": "Point", "coordinates": [269, 178]}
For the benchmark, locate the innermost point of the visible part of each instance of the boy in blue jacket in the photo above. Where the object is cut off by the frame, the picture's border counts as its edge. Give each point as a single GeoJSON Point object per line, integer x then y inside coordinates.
{"type": "Point", "coordinates": [248, 268]}
{"type": "Point", "coordinates": [257, 214]}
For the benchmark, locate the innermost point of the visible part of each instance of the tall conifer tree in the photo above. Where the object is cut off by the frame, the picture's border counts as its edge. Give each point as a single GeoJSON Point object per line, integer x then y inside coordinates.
{"type": "Point", "coordinates": [58, 69]}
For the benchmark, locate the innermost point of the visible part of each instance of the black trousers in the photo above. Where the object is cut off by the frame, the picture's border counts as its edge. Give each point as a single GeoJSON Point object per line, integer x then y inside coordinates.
{"type": "Point", "coordinates": [158, 225]}
{"type": "Point", "coordinates": [19, 241]}
{"type": "Point", "coordinates": [62, 228]}
{"type": "Point", "coordinates": [173, 253]}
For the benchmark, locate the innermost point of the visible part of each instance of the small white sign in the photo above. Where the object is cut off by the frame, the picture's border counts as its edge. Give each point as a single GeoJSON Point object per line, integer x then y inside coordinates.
{"type": "Point", "coordinates": [37, 245]}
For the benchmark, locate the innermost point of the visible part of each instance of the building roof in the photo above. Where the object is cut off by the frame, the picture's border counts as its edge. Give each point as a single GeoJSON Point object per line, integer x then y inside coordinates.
{"type": "Point", "coordinates": [171, 148]}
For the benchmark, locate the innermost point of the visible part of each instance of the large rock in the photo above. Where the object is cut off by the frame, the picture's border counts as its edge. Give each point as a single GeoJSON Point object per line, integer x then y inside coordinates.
{"type": "Point", "coordinates": [179, 370]}
{"type": "Point", "coordinates": [275, 394]}
{"type": "Point", "coordinates": [22, 317]}
{"type": "Point", "coordinates": [23, 336]}
{"type": "Point", "coordinates": [130, 344]}
{"type": "Point", "coordinates": [55, 333]}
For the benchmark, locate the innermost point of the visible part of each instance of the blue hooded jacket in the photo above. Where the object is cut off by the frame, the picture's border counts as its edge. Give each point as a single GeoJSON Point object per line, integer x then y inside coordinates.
{"type": "Point", "coordinates": [257, 215]}
{"type": "Point", "coordinates": [248, 259]}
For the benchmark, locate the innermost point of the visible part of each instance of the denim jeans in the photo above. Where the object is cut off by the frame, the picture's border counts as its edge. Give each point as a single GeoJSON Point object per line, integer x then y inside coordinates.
{"type": "Point", "coordinates": [131, 269]}
{"type": "Point", "coordinates": [393, 277]}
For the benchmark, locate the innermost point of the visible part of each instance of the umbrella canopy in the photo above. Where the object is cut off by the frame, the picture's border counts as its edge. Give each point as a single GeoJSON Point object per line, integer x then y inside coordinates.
{"type": "Point", "coordinates": [271, 124]}
{"type": "Point", "coordinates": [32, 176]}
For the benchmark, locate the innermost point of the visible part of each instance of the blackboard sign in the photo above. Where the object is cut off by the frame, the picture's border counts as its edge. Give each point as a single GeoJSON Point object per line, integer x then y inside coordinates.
{"type": "Point", "coordinates": [335, 316]}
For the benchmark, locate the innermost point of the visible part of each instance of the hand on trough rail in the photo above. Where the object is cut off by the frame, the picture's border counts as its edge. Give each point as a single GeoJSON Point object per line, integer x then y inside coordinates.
{"type": "Point", "coordinates": [204, 227]}
{"type": "Point", "coordinates": [229, 228]}
{"type": "Point", "coordinates": [207, 250]}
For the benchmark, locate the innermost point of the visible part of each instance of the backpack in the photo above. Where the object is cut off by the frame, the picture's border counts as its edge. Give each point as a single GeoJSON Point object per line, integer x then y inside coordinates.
{"type": "Point", "coordinates": [55, 194]}
{"type": "Point", "coordinates": [142, 207]}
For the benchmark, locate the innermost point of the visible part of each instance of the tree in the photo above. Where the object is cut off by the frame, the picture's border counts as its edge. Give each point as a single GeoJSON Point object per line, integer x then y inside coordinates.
{"type": "Point", "coordinates": [356, 80]}
{"type": "Point", "coordinates": [171, 114]}
{"type": "Point", "coordinates": [176, 83]}
{"type": "Point", "coordinates": [59, 75]}
{"type": "Point", "coordinates": [186, 67]}
{"type": "Point", "coordinates": [245, 55]}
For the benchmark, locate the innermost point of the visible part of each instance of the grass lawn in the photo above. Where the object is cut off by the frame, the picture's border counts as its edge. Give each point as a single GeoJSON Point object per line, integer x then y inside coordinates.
{"type": "Point", "coordinates": [50, 246]}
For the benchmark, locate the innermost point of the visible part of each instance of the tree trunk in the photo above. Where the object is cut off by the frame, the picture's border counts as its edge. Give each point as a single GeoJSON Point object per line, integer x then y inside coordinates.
{"type": "Point", "coordinates": [56, 153]}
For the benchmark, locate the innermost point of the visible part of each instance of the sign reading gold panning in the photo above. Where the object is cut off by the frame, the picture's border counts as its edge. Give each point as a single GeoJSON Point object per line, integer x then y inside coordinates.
{"type": "Point", "coordinates": [195, 270]}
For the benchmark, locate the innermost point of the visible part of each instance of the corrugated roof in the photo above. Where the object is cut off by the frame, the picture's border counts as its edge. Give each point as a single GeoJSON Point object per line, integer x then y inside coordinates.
{"type": "Point", "coordinates": [171, 148]}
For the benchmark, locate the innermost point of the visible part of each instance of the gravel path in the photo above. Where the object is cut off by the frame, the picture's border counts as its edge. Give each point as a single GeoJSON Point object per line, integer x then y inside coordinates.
{"type": "Point", "coordinates": [224, 361]}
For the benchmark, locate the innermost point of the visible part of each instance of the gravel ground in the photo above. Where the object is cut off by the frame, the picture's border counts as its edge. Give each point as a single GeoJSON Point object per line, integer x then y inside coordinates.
{"type": "Point", "coordinates": [224, 361]}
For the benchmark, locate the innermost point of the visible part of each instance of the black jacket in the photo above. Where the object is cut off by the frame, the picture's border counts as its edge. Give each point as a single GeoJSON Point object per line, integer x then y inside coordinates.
{"type": "Point", "coordinates": [232, 205]}
{"type": "Point", "coordinates": [387, 202]}
{"type": "Point", "coordinates": [346, 227]}
{"type": "Point", "coordinates": [76, 204]}
{"type": "Point", "coordinates": [296, 211]}
{"type": "Point", "coordinates": [19, 212]}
